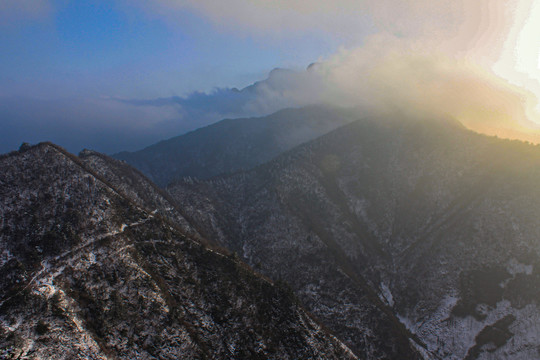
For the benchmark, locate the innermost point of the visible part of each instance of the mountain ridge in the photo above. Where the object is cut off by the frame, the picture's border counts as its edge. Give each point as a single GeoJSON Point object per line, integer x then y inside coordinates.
{"type": "Point", "coordinates": [234, 144]}
{"type": "Point", "coordinates": [417, 190]}
{"type": "Point", "coordinates": [123, 282]}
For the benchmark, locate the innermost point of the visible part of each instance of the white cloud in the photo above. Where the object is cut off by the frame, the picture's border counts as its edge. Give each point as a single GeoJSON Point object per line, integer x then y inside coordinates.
{"type": "Point", "coordinates": [408, 18]}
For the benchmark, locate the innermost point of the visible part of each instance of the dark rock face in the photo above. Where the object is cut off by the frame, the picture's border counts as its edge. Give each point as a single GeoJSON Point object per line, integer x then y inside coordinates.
{"type": "Point", "coordinates": [404, 237]}
{"type": "Point", "coordinates": [232, 145]}
{"type": "Point", "coordinates": [92, 270]}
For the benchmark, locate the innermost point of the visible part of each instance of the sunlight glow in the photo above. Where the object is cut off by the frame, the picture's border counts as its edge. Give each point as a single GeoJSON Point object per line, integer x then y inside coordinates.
{"type": "Point", "coordinates": [520, 60]}
{"type": "Point", "coordinates": [527, 49]}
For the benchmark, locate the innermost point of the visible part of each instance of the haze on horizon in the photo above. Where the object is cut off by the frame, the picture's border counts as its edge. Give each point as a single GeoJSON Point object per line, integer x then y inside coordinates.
{"type": "Point", "coordinates": [119, 75]}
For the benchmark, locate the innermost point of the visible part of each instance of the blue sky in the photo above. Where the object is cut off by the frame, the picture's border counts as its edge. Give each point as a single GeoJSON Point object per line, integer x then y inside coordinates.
{"type": "Point", "coordinates": [107, 48]}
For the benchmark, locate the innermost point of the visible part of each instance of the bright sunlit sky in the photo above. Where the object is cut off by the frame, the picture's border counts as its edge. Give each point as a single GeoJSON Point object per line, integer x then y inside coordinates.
{"type": "Point", "coordinates": [119, 75]}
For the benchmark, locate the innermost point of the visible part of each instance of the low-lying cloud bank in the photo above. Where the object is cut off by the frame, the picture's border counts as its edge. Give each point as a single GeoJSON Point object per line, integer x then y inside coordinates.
{"type": "Point", "coordinates": [76, 123]}
{"type": "Point", "coordinates": [111, 125]}
{"type": "Point", "coordinates": [115, 124]}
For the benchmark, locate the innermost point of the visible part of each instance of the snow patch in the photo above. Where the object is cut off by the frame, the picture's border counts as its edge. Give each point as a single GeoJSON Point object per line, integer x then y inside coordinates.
{"type": "Point", "coordinates": [514, 267]}
{"type": "Point", "coordinates": [5, 256]}
{"type": "Point", "coordinates": [386, 295]}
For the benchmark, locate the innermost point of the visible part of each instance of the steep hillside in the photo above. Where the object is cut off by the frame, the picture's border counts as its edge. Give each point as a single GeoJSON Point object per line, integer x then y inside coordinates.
{"type": "Point", "coordinates": [417, 220]}
{"type": "Point", "coordinates": [135, 186]}
{"type": "Point", "coordinates": [231, 145]}
{"type": "Point", "coordinates": [87, 272]}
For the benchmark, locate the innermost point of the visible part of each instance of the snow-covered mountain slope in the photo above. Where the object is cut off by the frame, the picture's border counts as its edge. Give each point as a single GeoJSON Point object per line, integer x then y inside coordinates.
{"type": "Point", "coordinates": [417, 220]}
{"type": "Point", "coordinates": [136, 187]}
{"type": "Point", "coordinates": [234, 144]}
{"type": "Point", "coordinates": [87, 272]}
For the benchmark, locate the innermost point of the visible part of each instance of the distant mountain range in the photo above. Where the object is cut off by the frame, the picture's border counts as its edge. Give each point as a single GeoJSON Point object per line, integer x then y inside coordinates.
{"type": "Point", "coordinates": [234, 144]}
{"type": "Point", "coordinates": [112, 124]}
{"type": "Point", "coordinates": [312, 233]}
